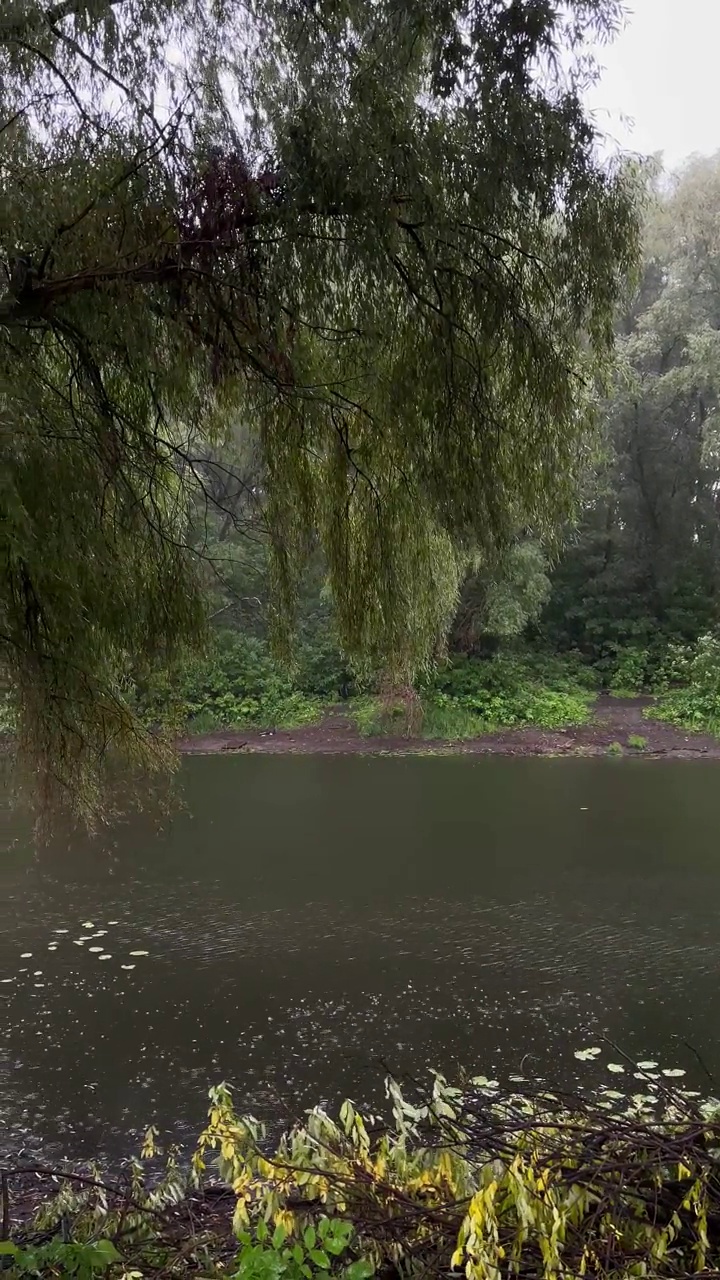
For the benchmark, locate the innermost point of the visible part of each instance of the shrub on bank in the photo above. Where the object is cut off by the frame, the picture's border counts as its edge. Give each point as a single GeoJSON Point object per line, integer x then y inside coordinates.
{"type": "Point", "coordinates": [696, 703]}
{"type": "Point", "coordinates": [237, 685]}
{"type": "Point", "coordinates": [472, 1181]}
{"type": "Point", "coordinates": [472, 696]}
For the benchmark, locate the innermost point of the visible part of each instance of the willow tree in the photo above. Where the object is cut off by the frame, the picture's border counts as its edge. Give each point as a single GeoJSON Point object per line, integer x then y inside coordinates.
{"type": "Point", "coordinates": [376, 233]}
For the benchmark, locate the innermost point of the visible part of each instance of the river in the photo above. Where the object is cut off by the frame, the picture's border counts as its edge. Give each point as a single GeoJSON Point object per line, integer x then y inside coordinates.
{"type": "Point", "coordinates": [312, 921]}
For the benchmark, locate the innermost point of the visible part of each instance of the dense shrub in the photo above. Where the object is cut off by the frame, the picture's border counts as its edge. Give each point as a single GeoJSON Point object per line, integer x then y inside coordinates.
{"type": "Point", "coordinates": [471, 696]}
{"type": "Point", "coordinates": [695, 705]}
{"type": "Point", "coordinates": [472, 1180]}
{"type": "Point", "coordinates": [238, 684]}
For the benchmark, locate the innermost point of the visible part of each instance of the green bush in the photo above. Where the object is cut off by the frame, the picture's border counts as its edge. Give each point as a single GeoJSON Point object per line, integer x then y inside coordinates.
{"type": "Point", "coordinates": [238, 685]}
{"type": "Point", "coordinates": [697, 704]}
{"type": "Point", "coordinates": [472, 1179]}
{"type": "Point", "coordinates": [673, 667]}
{"type": "Point", "coordinates": [472, 696]}
{"type": "Point", "coordinates": [630, 671]}
{"type": "Point", "coordinates": [315, 1251]}
{"type": "Point", "coordinates": [84, 1260]}
{"type": "Point", "coordinates": [515, 689]}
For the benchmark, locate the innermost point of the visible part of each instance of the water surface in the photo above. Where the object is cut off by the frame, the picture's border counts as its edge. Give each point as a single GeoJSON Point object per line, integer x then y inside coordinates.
{"type": "Point", "coordinates": [311, 921]}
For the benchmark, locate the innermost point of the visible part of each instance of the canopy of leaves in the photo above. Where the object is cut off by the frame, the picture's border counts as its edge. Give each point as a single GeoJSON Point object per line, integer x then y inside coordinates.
{"type": "Point", "coordinates": [378, 234]}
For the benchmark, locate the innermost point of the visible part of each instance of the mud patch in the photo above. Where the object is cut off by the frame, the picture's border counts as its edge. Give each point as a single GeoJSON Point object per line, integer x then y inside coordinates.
{"type": "Point", "coordinates": [614, 722]}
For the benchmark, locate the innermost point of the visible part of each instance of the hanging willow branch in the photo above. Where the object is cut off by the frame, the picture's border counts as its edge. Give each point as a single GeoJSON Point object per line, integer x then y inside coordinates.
{"type": "Point", "coordinates": [397, 266]}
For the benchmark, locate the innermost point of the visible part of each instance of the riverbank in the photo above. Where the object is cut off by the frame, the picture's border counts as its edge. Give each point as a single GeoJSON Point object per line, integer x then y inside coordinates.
{"type": "Point", "coordinates": [618, 727]}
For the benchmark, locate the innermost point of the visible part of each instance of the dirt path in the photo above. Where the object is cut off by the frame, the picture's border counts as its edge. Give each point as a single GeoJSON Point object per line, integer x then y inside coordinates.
{"type": "Point", "coordinates": [615, 720]}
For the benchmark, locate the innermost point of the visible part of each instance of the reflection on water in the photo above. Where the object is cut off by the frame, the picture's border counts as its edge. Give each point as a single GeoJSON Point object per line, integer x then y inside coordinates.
{"type": "Point", "coordinates": [308, 921]}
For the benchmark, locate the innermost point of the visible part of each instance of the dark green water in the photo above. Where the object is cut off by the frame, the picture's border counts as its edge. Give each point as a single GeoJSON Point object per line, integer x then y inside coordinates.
{"type": "Point", "coordinates": [310, 919]}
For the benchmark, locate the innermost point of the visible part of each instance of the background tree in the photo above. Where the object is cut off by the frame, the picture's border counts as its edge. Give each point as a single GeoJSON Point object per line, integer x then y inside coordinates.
{"type": "Point", "coordinates": [499, 600]}
{"type": "Point", "coordinates": [644, 564]}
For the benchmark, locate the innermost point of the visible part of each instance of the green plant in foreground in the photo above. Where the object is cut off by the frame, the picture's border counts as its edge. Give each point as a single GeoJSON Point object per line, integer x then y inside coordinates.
{"type": "Point", "coordinates": [615, 749]}
{"type": "Point", "coordinates": [315, 1251]}
{"type": "Point", "coordinates": [487, 1182]}
{"type": "Point", "coordinates": [429, 1194]}
{"type": "Point", "coordinates": [83, 1260]}
{"type": "Point", "coordinates": [637, 742]}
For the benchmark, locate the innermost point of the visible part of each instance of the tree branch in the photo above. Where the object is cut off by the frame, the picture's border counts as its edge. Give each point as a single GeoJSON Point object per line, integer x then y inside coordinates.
{"type": "Point", "coordinates": [16, 28]}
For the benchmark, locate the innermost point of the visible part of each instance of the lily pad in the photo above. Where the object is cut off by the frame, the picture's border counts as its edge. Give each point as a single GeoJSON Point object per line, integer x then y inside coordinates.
{"type": "Point", "coordinates": [675, 1072]}
{"type": "Point", "coordinates": [616, 1067]}
{"type": "Point", "coordinates": [94, 948]}
{"type": "Point", "coordinates": [586, 1055]}
{"type": "Point", "coordinates": [147, 953]}
{"type": "Point", "coordinates": [647, 1066]}
{"type": "Point", "coordinates": [88, 924]}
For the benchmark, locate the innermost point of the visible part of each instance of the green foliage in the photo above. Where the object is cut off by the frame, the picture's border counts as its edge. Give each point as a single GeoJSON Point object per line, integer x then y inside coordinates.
{"type": "Point", "coordinates": [314, 1251]}
{"type": "Point", "coordinates": [629, 672]}
{"type": "Point", "coordinates": [449, 719]}
{"type": "Point", "coordinates": [513, 690]}
{"type": "Point", "coordinates": [696, 705]}
{"type": "Point", "coordinates": [486, 1182]}
{"type": "Point", "coordinates": [474, 696]}
{"type": "Point", "coordinates": [238, 684]}
{"type": "Point", "coordinates": [637, 742]}
{"type": "Point", "coordinates": [673, 668]}
{"type": "Point", "coordinates": [467, 1178]}
{"type": "Point", "coordinates": [501, 597]}
{"type": "Point", "coordinates": [615, 749]}
{"type": "Point", "coordinates": [371, 233]}
{"type": "Point", "coordinates": [82, 1260]}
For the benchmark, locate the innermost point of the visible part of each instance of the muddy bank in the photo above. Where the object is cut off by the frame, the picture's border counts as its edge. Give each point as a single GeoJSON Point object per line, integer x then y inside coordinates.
{"type": "Point", "coordinates": [614, 722]}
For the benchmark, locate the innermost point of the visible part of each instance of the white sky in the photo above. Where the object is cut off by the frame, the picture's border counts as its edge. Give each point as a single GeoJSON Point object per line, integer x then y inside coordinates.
{"type": "Point", "coordinates": [663, 71]}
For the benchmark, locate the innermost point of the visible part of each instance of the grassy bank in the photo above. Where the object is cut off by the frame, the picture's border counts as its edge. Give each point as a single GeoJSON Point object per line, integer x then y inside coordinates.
{"type": "Point", "coordinates": [471, 1180]}
{"type": "Point", "coordinates": [241, 686]}
{"type": "Point", "coordinates": [470, 697]}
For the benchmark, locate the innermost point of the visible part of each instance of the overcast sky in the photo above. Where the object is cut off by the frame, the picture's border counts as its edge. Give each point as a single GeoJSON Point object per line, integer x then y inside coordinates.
{"type": "Point", "coordinates": [662, 71]}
